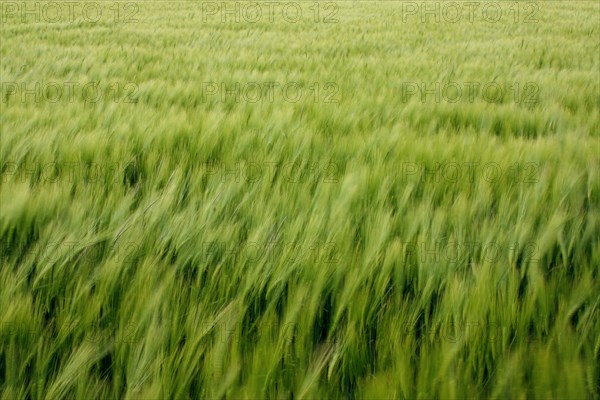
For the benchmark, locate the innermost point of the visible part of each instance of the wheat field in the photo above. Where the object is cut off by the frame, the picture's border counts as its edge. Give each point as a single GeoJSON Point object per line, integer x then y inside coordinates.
{"type": "Point", "coordinates": [303, 199]}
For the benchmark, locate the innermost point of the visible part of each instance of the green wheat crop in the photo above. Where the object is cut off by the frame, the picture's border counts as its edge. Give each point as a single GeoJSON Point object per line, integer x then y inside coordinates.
{"type": "Point", "coordinates": [357, 201]}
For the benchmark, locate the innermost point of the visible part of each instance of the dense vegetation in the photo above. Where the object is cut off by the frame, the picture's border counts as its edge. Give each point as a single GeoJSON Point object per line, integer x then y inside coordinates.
{"type": "Point", "coordinates": [354, 201]}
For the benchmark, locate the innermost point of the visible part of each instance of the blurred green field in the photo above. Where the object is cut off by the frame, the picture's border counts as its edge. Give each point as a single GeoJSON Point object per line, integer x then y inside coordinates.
{"type": "Point", "coordinates": [345, 199]}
